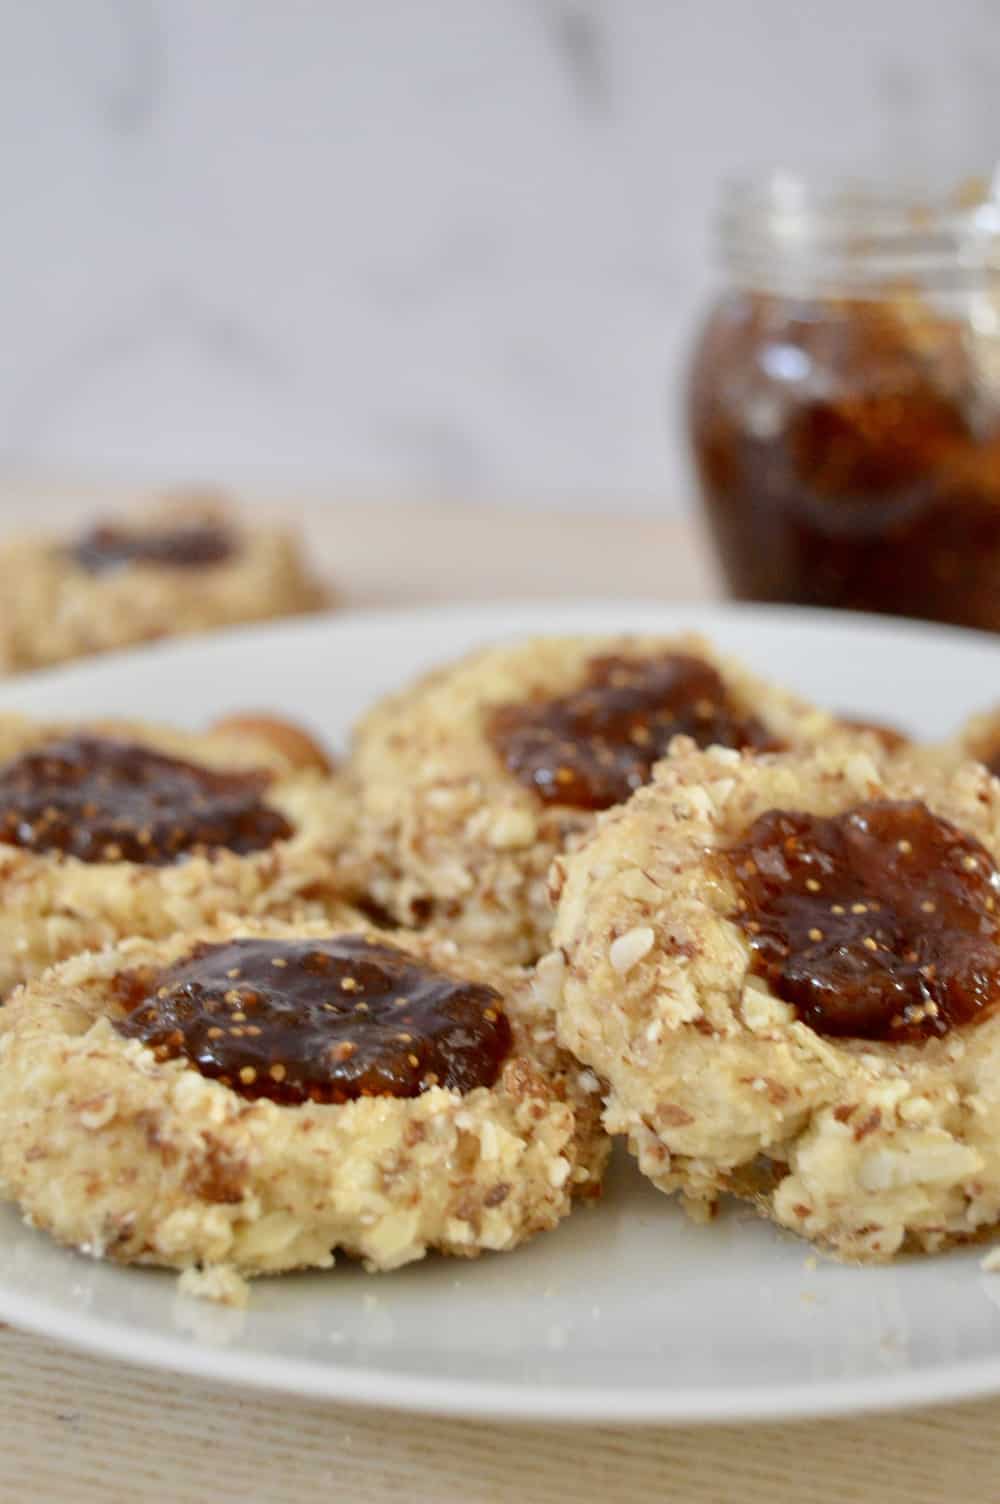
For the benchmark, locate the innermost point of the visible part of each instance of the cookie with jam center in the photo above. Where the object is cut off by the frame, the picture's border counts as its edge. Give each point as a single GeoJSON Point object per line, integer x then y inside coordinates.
{"type": "Point", "coordinates": [112, 829]}
{"type": "Point", "coordinates": [788, 970]}
{"type": "Point", "coordinates": [472, 780]}
{"type": "Point", "coordinates": [186, 564]}
{"type": "Point", "coordinates": [256, 1096]}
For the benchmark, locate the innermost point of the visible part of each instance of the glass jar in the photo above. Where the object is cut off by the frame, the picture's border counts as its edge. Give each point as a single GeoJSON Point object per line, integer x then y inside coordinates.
{"type": "Point", "coordinates": [844, 401]}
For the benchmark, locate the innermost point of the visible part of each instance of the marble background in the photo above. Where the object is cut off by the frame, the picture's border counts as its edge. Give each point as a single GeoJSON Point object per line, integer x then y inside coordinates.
{"type": "Point", "coordinates": [412, 248]}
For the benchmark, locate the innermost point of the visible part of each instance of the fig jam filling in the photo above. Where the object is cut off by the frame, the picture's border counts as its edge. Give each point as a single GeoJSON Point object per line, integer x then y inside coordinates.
{"type": "Point", "coordinates": [319, 1020]}
{"type": "Point", "coordinates": [880, 923]}
{"type": "Point", "coordinates": [102, 800]}
{"type": "Point", "coordinates": [193, 546]}
{"type": "Point", "coordinates": [596, 746]}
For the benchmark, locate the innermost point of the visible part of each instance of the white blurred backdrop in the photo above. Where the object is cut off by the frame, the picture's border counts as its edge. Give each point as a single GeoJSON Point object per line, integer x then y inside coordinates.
{"type": "Point", "coordinates": [416, 248]}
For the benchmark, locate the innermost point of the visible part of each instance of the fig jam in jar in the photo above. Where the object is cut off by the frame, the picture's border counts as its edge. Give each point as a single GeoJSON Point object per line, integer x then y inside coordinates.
{"type": "Point", "coordinates": [844, 401]}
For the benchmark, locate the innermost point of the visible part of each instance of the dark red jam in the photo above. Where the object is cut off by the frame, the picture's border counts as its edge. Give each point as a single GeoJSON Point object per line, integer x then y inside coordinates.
{"type": "Point", "coordinates": [881, 923]}
{"type": "Point", "coordinates": [102, 800]}
{"type": "Point", "coordinates": [848, 451]}
{"type": "Point", "coordinates": [596, 746]}
{"type": "Point", "coordinates": [190, 546]}
{"type": "Point", "coordinates": [319, 1020]}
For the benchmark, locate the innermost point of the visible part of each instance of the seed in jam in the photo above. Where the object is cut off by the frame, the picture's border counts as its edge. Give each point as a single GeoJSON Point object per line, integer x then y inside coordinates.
{"type": "Point", "coordinates": [318, 1020]}
{"type": "Point", "coordinates": [880, 923]}
{"type": "Point", "coordinates": [596, 746]}
{"type": "Point", "coordinates": [100, 799]}
{"type": "Point", "coordinates": [190, 546]}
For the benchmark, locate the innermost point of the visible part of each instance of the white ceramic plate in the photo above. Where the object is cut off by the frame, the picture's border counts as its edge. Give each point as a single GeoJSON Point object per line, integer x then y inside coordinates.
{"type": "Point", "coordinates": [628, 1312]}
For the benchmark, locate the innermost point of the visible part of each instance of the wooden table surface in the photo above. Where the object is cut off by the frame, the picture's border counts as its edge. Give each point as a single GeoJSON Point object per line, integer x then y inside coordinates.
{"type": "Point", "coordinates": [87, 1431]}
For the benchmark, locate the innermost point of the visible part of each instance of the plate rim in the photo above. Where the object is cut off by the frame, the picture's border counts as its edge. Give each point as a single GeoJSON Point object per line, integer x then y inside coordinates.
{"type": "Point", "coordinates": [485, 1401]}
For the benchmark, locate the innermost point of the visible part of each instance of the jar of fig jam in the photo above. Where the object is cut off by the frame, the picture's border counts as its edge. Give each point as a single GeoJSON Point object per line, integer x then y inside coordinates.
{"type": "Point", "coordinates": [845, 401]}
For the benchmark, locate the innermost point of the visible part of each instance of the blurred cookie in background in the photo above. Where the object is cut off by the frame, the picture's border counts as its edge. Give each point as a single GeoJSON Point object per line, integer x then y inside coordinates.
{"type": "Point", "coordinates": [188, 563]}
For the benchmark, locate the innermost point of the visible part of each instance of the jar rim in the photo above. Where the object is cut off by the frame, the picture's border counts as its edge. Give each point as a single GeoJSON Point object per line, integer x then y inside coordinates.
{"type": "Point", "coordinates": [784, 227]}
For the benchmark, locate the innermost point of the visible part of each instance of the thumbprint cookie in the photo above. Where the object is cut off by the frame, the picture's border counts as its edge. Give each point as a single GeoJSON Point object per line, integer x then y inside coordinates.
{"type": "Point", "coordinates": [250, 1098]}
{"type": "Point", "coordinates": [472, 780]}
{"type": "Point", "coordinates": [115, 829]}
{"type": "Point", "coordinates": [186, 565]}
{"type": "Point", "coordinates": [787, 969]}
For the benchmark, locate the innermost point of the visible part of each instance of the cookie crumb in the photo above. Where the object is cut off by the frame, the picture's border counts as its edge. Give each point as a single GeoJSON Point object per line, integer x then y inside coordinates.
{"type": "Point", "coordinates": [218, 1282]}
